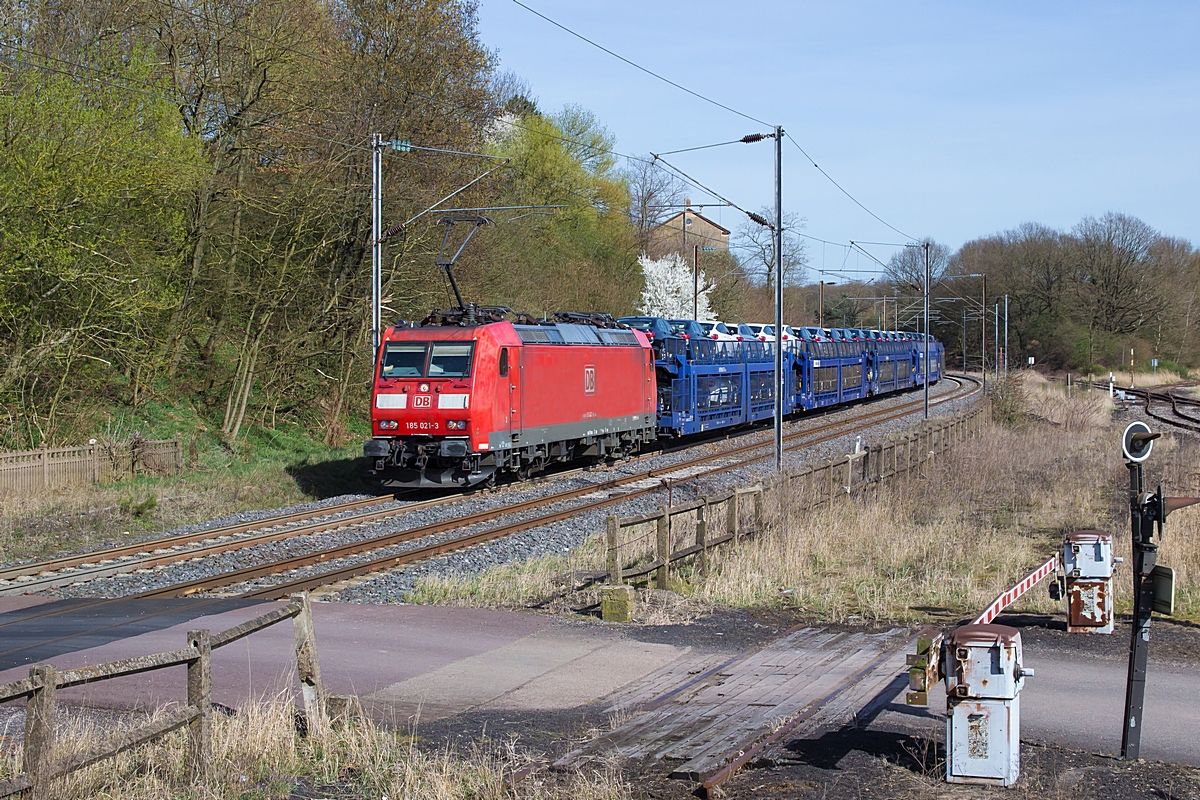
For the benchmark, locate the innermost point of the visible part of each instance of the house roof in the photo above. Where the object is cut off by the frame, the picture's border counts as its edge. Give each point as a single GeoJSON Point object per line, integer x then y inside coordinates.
{"type": "Point", "coordinates": [695, 214]}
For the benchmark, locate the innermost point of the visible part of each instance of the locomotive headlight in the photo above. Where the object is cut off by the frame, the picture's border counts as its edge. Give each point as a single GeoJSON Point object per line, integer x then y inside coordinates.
{"type": "Point", "coordinates": [457, 425]}
{"type": "Point", "coordinates": [388, 425]}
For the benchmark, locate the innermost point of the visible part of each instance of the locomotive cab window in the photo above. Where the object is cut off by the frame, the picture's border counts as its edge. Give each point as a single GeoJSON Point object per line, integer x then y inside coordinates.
{"type": "Point", "coordinates": [403, 360]}
{"type": "Point", "coordinates": [450, 360]}
{"type": "Point", "coordinates": [503, 362]}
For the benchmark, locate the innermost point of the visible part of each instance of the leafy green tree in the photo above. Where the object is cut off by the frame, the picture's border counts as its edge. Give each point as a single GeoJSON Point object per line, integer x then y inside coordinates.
{"type": "Point", "coordinates": [94, 176]}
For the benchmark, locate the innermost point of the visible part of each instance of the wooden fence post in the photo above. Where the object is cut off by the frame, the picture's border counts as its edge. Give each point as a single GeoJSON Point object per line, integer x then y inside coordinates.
{"type": "Point", "coordinates": [43, 455]}
{"type": "Point", "coordinates": [702, 536]}
{"type": "Point", "coordinates": [307, 664]}
{"type": "Point", "coordinates": [614, 552]}
{"type": "Point", "coordinates": [829, 470]}
{"type": "Point", "coordinates": [39, 730]}
{"type": "Point", "coordinates": [758, 510]}
{"type": "Point", "coordinates": [178, 453]}
{"type": "Point", "coordinates": [732, 517]}
{"type": "Point", "coordinates": [199, 694]}
{"type": "Point", "coordinates": [664, 550]}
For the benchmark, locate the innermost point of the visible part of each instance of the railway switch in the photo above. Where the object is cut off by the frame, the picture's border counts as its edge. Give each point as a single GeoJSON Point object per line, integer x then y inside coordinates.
{"type": "Point", "coordinates": [1088, 565]}
{"type": "Point", "coordinates": [983, 668]}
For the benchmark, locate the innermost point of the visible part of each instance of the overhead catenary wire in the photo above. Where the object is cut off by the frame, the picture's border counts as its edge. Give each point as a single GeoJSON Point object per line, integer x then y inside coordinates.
{"type": "Point", "coordinates": [637, 66]}
{"type": "Point", "coordinates": [366, 148]}
{"type": "Point", "coordinates": [716, 103]}
{"type": "Point", "coordinates": [754, 137]}
{"type": "Point", "coordinates": [704, 188]}
{"type": "Point", "coordinates": [843, 190]}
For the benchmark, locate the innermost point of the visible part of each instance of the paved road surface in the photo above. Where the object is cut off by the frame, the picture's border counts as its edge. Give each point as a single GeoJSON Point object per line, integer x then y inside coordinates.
{"type": "Point", "coordinates": [442, 661]}
{"type": "Point", "coordinates": [400, 659]}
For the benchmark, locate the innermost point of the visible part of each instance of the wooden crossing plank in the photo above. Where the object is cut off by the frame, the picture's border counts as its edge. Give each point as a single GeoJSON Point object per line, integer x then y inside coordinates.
{"type": "Point", "coordinates": [735, 706]}
{"type": "Point", "coordinates": [737, 711]}
{"type": "Point", "coordinates": [716, 710]}
{"type": "Point", "coordinates": [742, 738]}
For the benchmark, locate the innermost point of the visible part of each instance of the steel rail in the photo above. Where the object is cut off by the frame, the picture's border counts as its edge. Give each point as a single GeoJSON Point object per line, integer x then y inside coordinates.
{"type": "Point", "coordinates": [897, 412]}
{"type": "Point", "coordinates": [53, 573]}
{"type": "Point", "coordinates": [156, 559]}
{"type": "Point", "coordinates": [1165, 393]}
{"type": "Point", "coordinates": [150, 545]}
{"type": "Point", "coordinates": [64, 570]}
{"type": "Point", "coordinates": [844, 427]}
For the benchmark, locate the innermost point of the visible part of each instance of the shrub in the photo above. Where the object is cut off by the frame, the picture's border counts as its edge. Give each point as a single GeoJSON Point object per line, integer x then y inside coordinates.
{"type": "Point", "coordinates": [1008, 400]}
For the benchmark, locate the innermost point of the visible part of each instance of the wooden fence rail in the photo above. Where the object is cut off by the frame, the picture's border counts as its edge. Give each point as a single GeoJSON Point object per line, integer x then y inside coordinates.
{"type": "Point", "coordinates": [32, 471]}
{"type": "Point", "coordinates": [808, 489]}
{"type": "Point", "coordinates": [40, 765]}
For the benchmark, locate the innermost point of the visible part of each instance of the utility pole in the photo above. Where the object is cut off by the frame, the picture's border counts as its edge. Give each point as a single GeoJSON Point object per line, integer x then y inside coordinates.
{"type": "Point", "coordinates": [821, 305]}
{"type": "Point", "coordinates": [964, 337]}
{"type": "Point", "coordinates": [925, 369]}
{"type": "Point", "coordinates": [997, 318]}
{"type": "Point", "coordinates": [687, 206]}
{"type": "Point", "coordinates": [778, 298]}
{"type": "Point", "coordinates": [983, 335]}
{"type": "Point", "coordinates": [696, 284]}
{"type": "Point", "coordinates": [1006, 335]}
{"type": "Point", "coordinates": [376, 239]}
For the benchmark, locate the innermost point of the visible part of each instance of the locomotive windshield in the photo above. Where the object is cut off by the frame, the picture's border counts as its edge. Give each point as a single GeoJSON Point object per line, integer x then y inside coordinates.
{"type": "Point", "coordinates": [450, 360]}
{"type": "Point", "coordinates": [403, 360]}
{"type": "Point", "coordinates": [423, 360]}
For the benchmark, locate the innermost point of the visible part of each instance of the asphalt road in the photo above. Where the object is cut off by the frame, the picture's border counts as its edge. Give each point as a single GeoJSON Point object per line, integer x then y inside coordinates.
{"type": "Point", "coordinates": [450, 660]}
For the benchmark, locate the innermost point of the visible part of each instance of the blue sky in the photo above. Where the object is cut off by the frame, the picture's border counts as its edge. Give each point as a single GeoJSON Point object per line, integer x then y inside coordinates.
{"type": "Point", "coordinates": [950, 120]}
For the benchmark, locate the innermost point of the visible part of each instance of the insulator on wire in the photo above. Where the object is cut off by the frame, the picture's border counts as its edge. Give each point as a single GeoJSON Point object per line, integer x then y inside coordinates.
{"type": "Point", "coordinates": [753, 137]}
{"type": "Point", "coordinates": [759, 219]}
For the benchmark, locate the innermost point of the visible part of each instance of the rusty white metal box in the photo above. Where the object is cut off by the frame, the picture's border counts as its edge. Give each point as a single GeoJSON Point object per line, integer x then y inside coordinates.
{"type": "Point", "coordinates": [984, 675]}
{"type": "Point", "coordinates": [1088, 565]}
{"type": "Point", "coordinates": [983, 741]}
{"type": "Point", "coordinates": [1088, 554]}
{"type": "Point", "coordinates": [983, 661]}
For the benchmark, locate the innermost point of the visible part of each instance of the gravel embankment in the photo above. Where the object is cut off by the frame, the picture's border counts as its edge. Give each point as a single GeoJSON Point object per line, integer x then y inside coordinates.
{"type": "Point", "coordinates": [562, 537]}
{"type": "Point", "coordinates": [558, 538]}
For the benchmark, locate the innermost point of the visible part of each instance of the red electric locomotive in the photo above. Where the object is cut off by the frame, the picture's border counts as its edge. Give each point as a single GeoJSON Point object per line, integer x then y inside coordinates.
{"type": "Point", "coordinates": [468, 394]}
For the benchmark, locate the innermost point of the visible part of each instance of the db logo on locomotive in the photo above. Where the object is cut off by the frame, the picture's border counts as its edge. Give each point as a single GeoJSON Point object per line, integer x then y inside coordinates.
{"type": "Point", "coordinates": [423, 401]}
{"type": "Point", "coordinates": [589, 379]}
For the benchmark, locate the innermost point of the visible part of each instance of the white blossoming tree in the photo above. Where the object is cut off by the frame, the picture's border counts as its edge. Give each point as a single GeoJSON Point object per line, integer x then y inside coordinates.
{"type": "Point", "coordinates": [669, 288]}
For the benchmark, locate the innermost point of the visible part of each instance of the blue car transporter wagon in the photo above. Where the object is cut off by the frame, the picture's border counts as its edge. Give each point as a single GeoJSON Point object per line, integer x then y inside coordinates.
{"type": "Point", "coordinates": [704, 385]}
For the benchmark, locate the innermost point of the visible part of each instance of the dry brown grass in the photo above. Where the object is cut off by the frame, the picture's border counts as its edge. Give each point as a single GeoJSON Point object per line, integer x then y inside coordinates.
{"type": "Point", "coordinates": [944, 544]}
{"type": "Point", "coordinates": [950, 541]}
{"type": "Point", "coordinates": [257, 754]}
{"type": "Point", "coordinates": [1079, 411]}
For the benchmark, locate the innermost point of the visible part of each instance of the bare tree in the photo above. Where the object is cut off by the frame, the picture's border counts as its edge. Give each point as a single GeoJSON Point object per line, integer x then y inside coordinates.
{"type": "Point", "coordinates": [654, 192]}
{"type": "Point", "coordinates": [1114, 274]}
{"type": "Point", "coordinates": [906, 268]}
{"type": "Point", "coordinates": [757, 243]}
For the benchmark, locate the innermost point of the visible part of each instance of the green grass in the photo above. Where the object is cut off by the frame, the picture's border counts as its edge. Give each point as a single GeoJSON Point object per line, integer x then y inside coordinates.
{"type": "Point", "coordinates": [263, 468]}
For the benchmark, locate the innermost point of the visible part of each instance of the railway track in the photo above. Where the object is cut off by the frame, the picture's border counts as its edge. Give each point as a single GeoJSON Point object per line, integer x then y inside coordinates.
{"type": "Point", "coordinates": [611, 492]}
{"type": "Point", "coordinates": [1166, 393]}
{"type": "Point", "coordinates": [197, 545]}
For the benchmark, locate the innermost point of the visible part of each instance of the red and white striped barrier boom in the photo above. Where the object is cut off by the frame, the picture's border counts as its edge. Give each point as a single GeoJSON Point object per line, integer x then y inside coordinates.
{"type": "Point", "coordinates": [1009, 597]}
